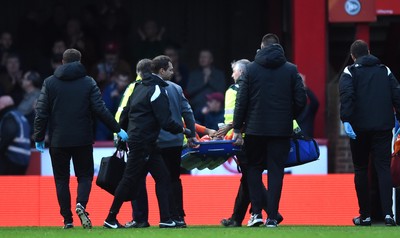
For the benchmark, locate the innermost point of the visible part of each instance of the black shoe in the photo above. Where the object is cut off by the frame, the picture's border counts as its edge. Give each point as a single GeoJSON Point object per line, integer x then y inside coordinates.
{"type": "Point", "coordinates": [112, 224]}
{"type": "Point", "coordinates": [359, 221]}
{"type": "Point", "coordinates": [180, 223]}
{"type": "Point", "coordinates": [83, 216]}
{"type": "Point", "coordinates": [229, 222]}
{"type": "Point", "coordinates": [167, 224]}
{"type": "Point", "coordinates": [389, 221]}
{"type": "Point", "coordinates": [271, 223]}
{"type": "Point", "coordinates": [134, 224]}
{"type": "Point", "coordinates": [279, 218]}
{"type": "Point", "coordinates": [68, 226]}
{"type": "Point", "coordinates": [255, 220]}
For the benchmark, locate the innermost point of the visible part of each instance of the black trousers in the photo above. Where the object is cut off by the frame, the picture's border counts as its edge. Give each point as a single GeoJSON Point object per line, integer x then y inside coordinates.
{"type": "Point", "coordinates": [140, 205]}
{"type": "Point", "coordinates": [242, 200]}
{"type": "Point", "coordinates": [270, 153]}
{"type": "Point", "coordinates": [378, 145]}
{"type": "Point", "coordinates": [82, 159]}
{"type": "Point", "coordinates": [172, 159]}
{"type": "Point", "coordinates": [140, 162]}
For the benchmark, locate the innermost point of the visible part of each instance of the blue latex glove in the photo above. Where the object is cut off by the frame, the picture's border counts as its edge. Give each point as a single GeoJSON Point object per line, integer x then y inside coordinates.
{"type": "Point", "coordinates": [40, 146]}
{"type": "Point", "coordinates": [349, 130]}
{"type": "Point", "coordinates": [123, 135]}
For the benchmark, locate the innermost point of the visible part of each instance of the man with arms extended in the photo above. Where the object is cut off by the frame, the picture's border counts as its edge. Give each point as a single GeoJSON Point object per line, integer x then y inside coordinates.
{"type": "Point", "coordinates": [368, 93]}
{"type": "Point", "coordinates": [67, 103]}
{"type": "Point", "coordinates": [270, 96]}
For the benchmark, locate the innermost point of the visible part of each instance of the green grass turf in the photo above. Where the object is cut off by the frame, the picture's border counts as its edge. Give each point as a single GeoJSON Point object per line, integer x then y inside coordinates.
{"type": "Point", "coordinates": [378, 231]}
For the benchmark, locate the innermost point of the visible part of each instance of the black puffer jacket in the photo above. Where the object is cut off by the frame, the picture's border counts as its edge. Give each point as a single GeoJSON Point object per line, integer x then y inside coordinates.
{"type": "Point", "coordinates": [147, 112]}
{"type": "Point", "coordinates": [270, 95]}
{"type": "Point", "coordinates": [67, 103]}
{"type": "Point", "coordinates": [368, 93]}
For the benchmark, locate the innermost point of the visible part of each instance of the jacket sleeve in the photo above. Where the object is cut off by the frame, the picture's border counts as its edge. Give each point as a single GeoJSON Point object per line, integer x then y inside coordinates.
{"type": "Point", "coordinates": [187, 114]}
{"type": "Point", "coordinates": [8, 130]}
{"type": "Point", "coordinates": [160, 104]}
{"type": "Point", "coordinates": [42, 113]}
{"type": "Point", "coordinates": [347, 95]}
{"type": "Point", "coordinates": [241, 104]}
{"type": "Point", "coordinates": [395, 86]}
{"type": "Point", "coordinates": [300, 97]}
{"type": "Point", "coordinates": [100, 110]}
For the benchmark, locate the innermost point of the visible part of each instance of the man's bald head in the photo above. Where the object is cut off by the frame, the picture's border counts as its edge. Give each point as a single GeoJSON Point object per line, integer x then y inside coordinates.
{"type": "Point", "coordinates": [6, 101]}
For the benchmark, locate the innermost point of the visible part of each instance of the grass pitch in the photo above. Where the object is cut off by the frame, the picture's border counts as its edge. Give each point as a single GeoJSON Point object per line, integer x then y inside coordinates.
{"type": "Point", "coordinates": [204, 232]}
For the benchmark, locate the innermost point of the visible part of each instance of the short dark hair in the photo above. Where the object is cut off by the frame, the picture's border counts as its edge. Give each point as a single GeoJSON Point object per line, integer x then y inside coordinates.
{"type": "Point", "coordinates": [35, 78]}
{"type": "Point", "coordinates": [269, 39]}
{"type": "Point", "coordinates": [359, 48]}
{"type": "Point", "coordinates": [143, 67]}
{"type": "Point", "coordinates": [71, 55]}
{"type": "Point", "coordinates": [160, 62]}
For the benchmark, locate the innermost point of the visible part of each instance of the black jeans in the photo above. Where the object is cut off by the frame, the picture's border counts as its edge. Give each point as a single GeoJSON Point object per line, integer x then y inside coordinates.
{"type": "Point", "coordinates": [270, 153]}
{"type": "Point", "coordinates": [82, 158]}
{"type": "Point", "coordinates": [378, 145]}
{"type": "Point", "coordinates": [140, 161]}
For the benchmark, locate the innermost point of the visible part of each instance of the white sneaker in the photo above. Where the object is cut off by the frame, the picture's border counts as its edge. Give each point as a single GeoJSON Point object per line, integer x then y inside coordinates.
{"type": "Point", "coordinates": [255, 220]}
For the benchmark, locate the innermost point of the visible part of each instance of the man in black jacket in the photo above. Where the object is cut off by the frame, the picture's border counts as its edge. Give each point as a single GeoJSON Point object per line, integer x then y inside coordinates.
{"type": "Point", "coordinates": [147, 111]}
{"type": "Point", "coordinates": [270, 96]}
{"type": "Point", "coordinates": [368, 93]}
{"type": "Point", "coordinates": [67, 103]}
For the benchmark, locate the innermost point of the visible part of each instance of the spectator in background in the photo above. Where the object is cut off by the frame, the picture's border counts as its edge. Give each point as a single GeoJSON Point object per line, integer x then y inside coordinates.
{"type": "Point", "coordinates": [181, 71]}
{"type": "Point", "coordinates": [15, 148]}
{"type": "Point", "coordinates": [307, 117]}
{"type": "Point", "coordinates": [76, 38]}
{"type": "Point", "coordinates": [213, 112]}
{"type": "Point", "coordinates": [151, 42]}
{"type": "Point", "coordinates": [10, 80]}
{"type": "Point", "coordinates": [50, 64]}
{"type": "Point", "coordinates": [110, 64]}
{"type": "Point", "coordinates": [31, 84]}
{"type": "Point", "coordinates": [204, 80]}
{"type": "Point", "coordinates": [112, 96]}
{"type": "Point", "coordinates": [6, 48]}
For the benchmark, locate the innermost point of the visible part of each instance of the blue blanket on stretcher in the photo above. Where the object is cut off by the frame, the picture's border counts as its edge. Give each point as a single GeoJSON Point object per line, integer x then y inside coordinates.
{"type": "Point", "coordinates": [211, 154]}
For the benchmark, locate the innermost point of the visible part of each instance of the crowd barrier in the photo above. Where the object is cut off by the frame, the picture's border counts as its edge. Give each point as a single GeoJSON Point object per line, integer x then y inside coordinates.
{"type": "Point", "coordinates": [306, 200]}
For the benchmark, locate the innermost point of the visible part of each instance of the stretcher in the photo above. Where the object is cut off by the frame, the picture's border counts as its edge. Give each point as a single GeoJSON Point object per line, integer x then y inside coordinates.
{"type": "Point", "coordinates": [209, 154]}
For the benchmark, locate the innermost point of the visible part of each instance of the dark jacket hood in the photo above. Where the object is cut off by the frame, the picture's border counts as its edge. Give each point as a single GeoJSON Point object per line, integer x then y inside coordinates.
{"type": "Point", "coordinates": [367, 60]}
{"type": "Point", "coordinates": [271, 57]}
{"type": "Point", "coordinates": [70, 71]}
{"type": "Point", "coordinates": [152, 79]}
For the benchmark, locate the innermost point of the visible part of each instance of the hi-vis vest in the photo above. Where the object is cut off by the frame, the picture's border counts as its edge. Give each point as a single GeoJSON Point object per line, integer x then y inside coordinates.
{"type": "Point", "coordinates": [230, 100]}
{"type": "Point", "coordinates": [19, 151]}
{"type": "Point", "coordinates": [128, 92]}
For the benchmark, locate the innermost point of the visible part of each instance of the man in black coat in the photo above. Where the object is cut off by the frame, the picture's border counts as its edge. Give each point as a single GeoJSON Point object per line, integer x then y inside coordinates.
{"type": "Point", "coordinates": [270, 96]}
{"type": "Point", "coordinates": [147, 111]}
{"type": "Point", "coordinates": [368, 93]}
{"type": "Point", "coordinates": [66, 105]}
